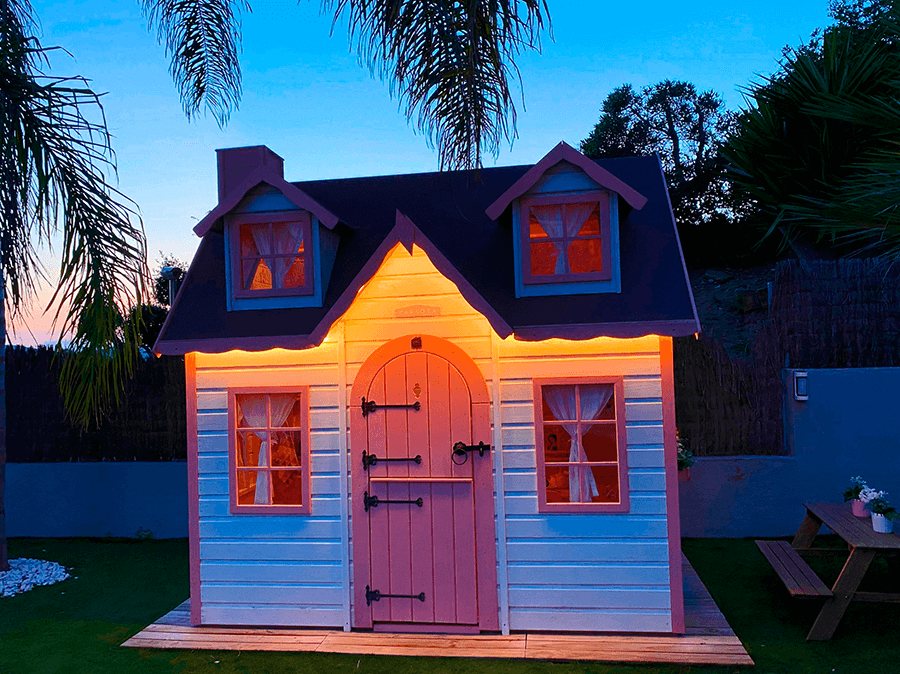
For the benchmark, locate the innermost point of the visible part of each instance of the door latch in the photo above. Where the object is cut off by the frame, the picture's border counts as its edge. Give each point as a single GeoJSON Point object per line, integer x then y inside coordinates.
{"type": "Point", "coordinates": [461, 450]}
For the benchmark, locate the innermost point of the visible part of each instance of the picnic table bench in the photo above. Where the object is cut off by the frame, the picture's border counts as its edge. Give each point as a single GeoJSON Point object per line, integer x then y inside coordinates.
{"type": "Point", "coordinates": [801, 580]}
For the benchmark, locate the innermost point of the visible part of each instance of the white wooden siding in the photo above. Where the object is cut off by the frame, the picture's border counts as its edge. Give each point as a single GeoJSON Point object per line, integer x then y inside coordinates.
{"type": "Point", "coordinates": [604, 572]}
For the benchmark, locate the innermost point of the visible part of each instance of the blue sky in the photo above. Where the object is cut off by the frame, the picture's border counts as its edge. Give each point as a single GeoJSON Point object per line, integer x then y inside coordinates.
{"type": "Point", "coordinates": [306, 97]}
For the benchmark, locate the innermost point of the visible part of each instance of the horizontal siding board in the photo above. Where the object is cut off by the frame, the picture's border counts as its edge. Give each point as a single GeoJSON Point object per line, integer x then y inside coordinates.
{"type": "Point", "coordinates": [212, 400]}
{"type": "Point", "coordinates": [272, 616]}
{"type": "Point", "coordinates": [211, 485]}
{"type": "Point", "coordinates": [212, 464]}
{"type": "Point", "coordinates": [270, 526]}
{"type": "Point", "coordinates": [643, 346]}
{"type": "Point", "coordinates": [579, 367]}
{"type": "Point", "coordinates": [324, 353]}
{"type": "Point", "coordinates": [583, 574]}
{"type": "Point", "coordinates": [644, 435]}
{"type": "Point", "coordinates": [292, 551]}
{"type": "Point", "coordinates": [259, 593]}
{"type": "Point", "coordinates": [589, 598]}
{"type": "Point", "coordinates": [647, 481]}
{"type": "Point", "coordinates": [478, 348]}
{"type": "Point", "coordinates": [517, 413]}
{"type": "Point", "coordinates": [217, 506]}
{"type": "Point", "coordinates": [213, 421]}
{"type": "Point", "coordinates": [212, 444]}
{"type": "Point", "coordinates": [270, 572]}
{"type": "Point", "coordinates": [587, 527]}
{"type": "Point", "coordinates": [248, 377]}
{"type": "Point", "coordinates": [518, 459]}
{"type": "Point", "coordinates": [580, 551]}
{"type": "Point", "coordinates": [638, 504]}
{"type": "Point", "coordinates": [647, 504]}
{"type": "Point", "coordinates": [588, 621]}
{"type": "Point", "coordinates": [643, 411]}
{"type": "Point", "coordinates": [646, 458]}
{"type": "Point", "coordinates": [643, 388]}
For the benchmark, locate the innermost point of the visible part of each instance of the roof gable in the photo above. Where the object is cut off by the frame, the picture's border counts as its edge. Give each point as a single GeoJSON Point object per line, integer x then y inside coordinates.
{"type": "Point", "coordinates": [565, 152]}
{"type": "Point", "coordinates": [264, 174]}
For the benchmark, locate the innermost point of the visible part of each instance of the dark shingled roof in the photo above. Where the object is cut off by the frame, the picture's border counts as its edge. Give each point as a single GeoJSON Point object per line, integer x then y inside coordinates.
{"type": "Point", "coordinates": [449, 209]}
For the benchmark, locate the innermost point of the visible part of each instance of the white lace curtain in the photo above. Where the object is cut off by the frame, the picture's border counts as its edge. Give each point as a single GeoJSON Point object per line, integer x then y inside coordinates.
{"type": "Point", "coordinates": [287, 237]}
{"type": "Point", "coordinates": [561, 401]}
{"type": "Point", "coordinates": [560, 220]}
{"type": "Point", "coordinates": [253, 410]}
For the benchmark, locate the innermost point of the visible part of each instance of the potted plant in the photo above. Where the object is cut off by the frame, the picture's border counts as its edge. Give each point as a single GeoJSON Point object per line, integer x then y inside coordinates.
{"type": "Point", "coordinates": [685, 459]}
{"type": "Point", "coordinates": [851, 494]}
{"type": "Point", "coordinates": [882, 512]}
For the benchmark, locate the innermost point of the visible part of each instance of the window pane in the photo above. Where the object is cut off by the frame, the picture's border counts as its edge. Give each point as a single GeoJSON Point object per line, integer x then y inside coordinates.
{"type": "Point", "coordinates": [287, 487]}
{"type": "Point", "coordinates": [286, 448]}
{"type": "Point", "coordinates": [291, 272]}
{"type": "Point", "coordinates": [287, 238]}
{"type": "Point", "coordinates": [559, 403]}
{"type": "Point", "coordinates": [251, 410]}
{"type": "Point", "coordinates": [294, 417]}
{"type": "Point", "coordinates": [557, 484]}
{"type": "Point", "coordinates": [557, 443]}
{"type": "Point", "coordinates": [535, 231]}
{"type": "Point", "coordinates": [606, 479]}
{"type": "Point", "coordinates": [256, 274]}
{"type": "Point", "coordinates": [591, 226]}
{"type": "Point", "coordinates": [543, 258]}
{"type": "Point", "coordinates": [599, 442]}
{"type": "Point", "coordinates": [585, 255]}
{"type": "Point", "coordinates": [247, 488]}
{"type": "Point", "coordinates": [250, 234]}
{"type": "Point", "coordinates": [248, 446]}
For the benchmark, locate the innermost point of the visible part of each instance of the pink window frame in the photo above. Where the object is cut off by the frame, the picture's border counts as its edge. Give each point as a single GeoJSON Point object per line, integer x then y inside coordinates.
{"type": "Point", "coordinates": [602, 199]}
{"type": "Point", "coordinates": [235, 508]}
{"type": "Point", "coordinates": [234, 223]}
{"type": "Point", "coordinates": [619, 393]}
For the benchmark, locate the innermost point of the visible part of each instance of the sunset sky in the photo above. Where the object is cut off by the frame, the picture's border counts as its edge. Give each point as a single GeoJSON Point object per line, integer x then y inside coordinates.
{"type": "Point", "coordinates": [306, 97]}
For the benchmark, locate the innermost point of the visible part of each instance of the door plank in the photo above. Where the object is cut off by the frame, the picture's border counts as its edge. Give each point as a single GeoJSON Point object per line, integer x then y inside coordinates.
{"type": "Point", "coordinates": [421, 547]}
{"type": "Point", "coordinates": [379, 531]}
{"type": "Point", "coordinates": [443, 556]}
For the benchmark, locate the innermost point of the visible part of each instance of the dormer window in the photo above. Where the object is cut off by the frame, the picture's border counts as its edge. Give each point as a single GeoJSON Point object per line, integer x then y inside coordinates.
{"type": "Point", "coordinates": [565, 238]}
{"type": "Point", "coordinates": [271, 254]}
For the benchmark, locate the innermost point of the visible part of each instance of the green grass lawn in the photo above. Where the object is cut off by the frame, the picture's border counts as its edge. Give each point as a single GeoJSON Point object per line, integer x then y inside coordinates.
{"type": "Point", "coordinates": [123, 585]}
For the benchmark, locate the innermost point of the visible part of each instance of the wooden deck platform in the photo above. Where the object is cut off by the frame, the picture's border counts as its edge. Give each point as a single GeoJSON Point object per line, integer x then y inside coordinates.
{"type": "Point", "coordinates": [708, 639]}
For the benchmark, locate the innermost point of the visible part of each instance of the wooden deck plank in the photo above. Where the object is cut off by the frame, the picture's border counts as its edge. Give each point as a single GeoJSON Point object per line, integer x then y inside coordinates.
{"type": "Point", "coordinates": [708, 639]}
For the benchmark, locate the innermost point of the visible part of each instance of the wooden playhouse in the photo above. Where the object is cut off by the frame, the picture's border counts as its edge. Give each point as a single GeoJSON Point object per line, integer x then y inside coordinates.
{"type": "Point", "coordinates": [437, 402]}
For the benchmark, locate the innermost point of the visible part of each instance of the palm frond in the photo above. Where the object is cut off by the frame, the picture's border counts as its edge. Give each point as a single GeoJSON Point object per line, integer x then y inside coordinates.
{"type": "Point", "coordinates": [202, 38]}
{"type": "Point", "coordinates": [55, 156]}
{"type": "Point", "coordinates": [450, 63]}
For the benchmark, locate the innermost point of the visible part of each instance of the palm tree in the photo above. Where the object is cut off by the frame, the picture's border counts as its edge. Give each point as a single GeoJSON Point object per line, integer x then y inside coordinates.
{"type": "Point", "coordinates": [449, 62]}
{"type": "Point", "coordinates": [54, 158]}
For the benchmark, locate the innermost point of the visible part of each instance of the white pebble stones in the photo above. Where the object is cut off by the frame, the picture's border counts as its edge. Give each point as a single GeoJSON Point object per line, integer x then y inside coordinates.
{"type": "Point", "coordinates": [24, 574]}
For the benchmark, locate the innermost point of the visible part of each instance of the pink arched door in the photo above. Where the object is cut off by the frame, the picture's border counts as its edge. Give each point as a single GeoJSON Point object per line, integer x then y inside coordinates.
{"type": "Point", "coordinates": [424, 555]}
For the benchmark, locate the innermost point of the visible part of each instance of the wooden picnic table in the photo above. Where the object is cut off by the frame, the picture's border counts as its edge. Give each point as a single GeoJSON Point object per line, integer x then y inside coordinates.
{"type": "Point", "coordinates": [864, 545]}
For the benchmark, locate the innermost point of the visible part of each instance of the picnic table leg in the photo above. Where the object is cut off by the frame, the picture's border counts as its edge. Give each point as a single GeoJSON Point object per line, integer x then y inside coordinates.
{"type": "Point", "coordinates": [805, 535]}
{"type": "Point", "coordinates": [854, 569]}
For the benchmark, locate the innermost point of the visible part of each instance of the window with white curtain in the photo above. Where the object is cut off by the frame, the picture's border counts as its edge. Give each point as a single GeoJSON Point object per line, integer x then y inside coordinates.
{"type": "Point", "coordinates": [580, 444]}
{"type": "Point", "coordinates": [269, 442]}
{"type": "Point", "coordinates": [271, 254]}
{"type": "Point", "coordinates": [565, 238]}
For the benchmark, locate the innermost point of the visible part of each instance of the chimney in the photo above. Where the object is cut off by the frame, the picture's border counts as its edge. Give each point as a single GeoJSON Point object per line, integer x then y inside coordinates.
{"type": "Point", "coordinates": [236, 163]}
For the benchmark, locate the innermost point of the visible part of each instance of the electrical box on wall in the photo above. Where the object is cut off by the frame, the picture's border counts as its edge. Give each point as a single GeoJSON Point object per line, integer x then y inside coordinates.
{"type": "Point", "coordinates": [801, 385]}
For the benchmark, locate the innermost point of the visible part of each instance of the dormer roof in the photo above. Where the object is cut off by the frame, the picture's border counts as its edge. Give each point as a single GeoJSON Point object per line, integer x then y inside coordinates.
{"type": "Point", "coordinates": [447, 215]}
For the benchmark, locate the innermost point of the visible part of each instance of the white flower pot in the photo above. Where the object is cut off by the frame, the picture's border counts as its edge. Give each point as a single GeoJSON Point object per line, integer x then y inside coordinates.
{"type": "Point", "coordinates": [881, 524]}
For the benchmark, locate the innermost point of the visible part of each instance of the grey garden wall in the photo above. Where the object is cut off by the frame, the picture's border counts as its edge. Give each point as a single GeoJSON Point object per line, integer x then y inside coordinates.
{"type": "Point", "coordinates": [97, 499]}
{"type": "Point", "coordinates": [849, 426]}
